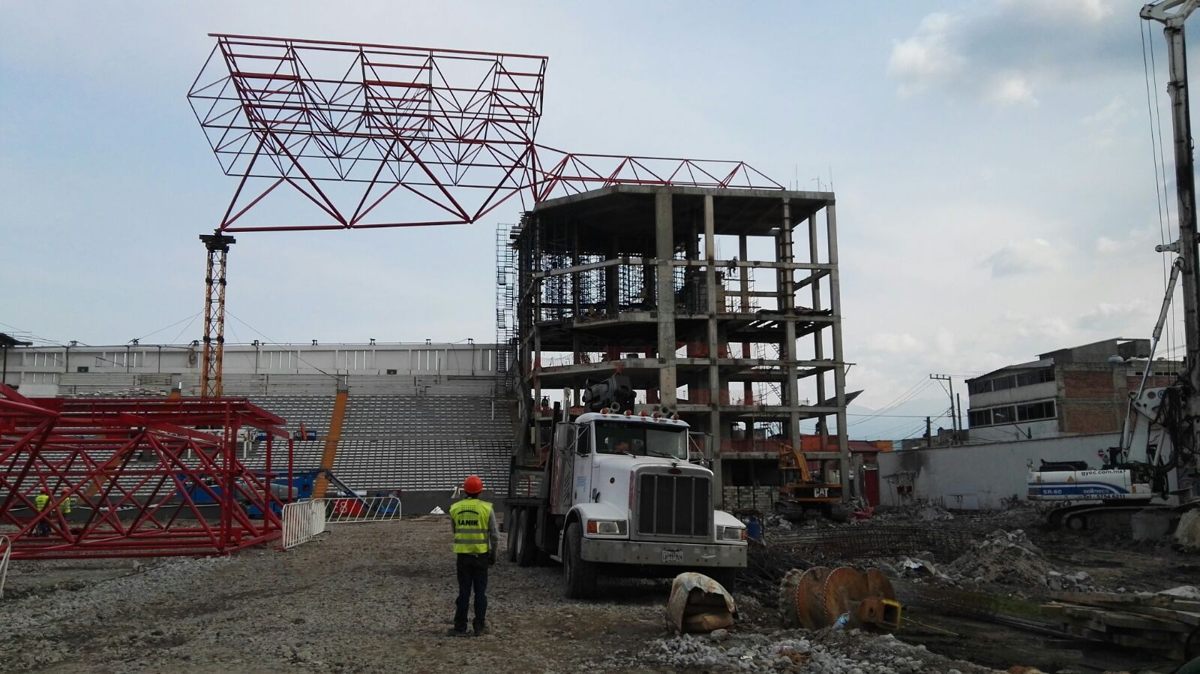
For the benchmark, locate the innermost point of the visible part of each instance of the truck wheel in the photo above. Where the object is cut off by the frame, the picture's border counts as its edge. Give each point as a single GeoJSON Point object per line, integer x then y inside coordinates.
{"type": "Point", "coordinates": [579, 576]}
{"type": "Point", "coordinates": [524, 551]}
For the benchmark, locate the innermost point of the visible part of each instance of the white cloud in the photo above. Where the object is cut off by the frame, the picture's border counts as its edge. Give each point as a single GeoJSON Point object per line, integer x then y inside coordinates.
{"type": "Point", "coordinates": [1003, 51]}
{"type": "Point", "coordinates": [1117, 317]}
{"type": "Point", "coordinates": [893, 343]}
{"type": "Point", "coordinates": [1106, 246]}
{"type": "Point", "coordinates": [1104, 124]}
{"type": "Point", "coordinates": [1024, 257]}
{"type": "Point", "coordinates": [1091, 11]}
{"type": "Point", "coordinates": [927, 58]}
{"type": "Point", "coordinates": [1012, 89]}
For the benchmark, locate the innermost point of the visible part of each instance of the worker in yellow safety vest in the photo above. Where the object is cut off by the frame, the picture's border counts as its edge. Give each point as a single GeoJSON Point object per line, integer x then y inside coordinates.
{"type": "Point", "coordinates": [65, 505]}
{"type": "Point", "coordinates": [475, 541]}
{"type": "Point", "coordinates": [39, 503]}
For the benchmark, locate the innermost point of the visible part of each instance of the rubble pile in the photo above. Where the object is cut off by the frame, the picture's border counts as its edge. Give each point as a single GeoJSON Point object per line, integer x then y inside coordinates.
{"type": "Point", "coordinates": [1004, 557]}
{"type": "Point", "coordinates": [934, 513]}
{"type": "Point", "coordinates": [829, 651]}
{"type": "Point", "coordinates": [1010, 558]}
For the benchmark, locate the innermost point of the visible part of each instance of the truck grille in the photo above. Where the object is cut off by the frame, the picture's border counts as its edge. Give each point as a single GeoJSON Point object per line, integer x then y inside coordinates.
{"type": "Point", "coordinates": [674, 505]}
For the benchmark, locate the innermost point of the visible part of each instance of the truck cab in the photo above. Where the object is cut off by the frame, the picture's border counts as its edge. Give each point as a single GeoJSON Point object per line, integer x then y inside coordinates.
{"type": "Point", "coordinates": [617, 494]}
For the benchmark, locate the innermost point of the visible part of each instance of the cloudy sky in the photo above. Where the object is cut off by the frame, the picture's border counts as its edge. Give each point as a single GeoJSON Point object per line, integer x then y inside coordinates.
{"type": "Point", "coordinates": [992, 161]}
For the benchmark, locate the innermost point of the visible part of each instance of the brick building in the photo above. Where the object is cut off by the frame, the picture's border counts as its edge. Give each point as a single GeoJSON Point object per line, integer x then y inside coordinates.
{"type": "Point", "coordinates": [1082, 389]}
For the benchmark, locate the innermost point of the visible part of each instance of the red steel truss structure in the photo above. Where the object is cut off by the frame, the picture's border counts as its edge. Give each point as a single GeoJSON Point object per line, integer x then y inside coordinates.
{"type": "Point", "coordinates": [349, 125]}
{"type": "Point", "coordinates": [563, 173]}
{"type": "Point", "coordinates": [145, 477]}
{"type": "Point", "coordinates": [454, 128]}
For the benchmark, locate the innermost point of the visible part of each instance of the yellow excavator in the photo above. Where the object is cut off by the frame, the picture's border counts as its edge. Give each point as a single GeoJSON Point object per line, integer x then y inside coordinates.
{"type": "Point", "coordinates": [801, 492]}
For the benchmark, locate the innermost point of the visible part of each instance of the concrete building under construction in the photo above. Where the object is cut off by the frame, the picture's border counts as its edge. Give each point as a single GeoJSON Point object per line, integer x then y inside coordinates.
{"type": "Point", "coordinates": [720, 304]}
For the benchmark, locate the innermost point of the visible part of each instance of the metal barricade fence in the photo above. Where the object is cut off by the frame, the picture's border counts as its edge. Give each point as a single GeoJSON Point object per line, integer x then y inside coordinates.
{"type": "Point", "coordinates": [5, 553]}
{"type": "Point", "coordinates": [302, 520]}
{"type": "Point", "coordinates": [367, 509]}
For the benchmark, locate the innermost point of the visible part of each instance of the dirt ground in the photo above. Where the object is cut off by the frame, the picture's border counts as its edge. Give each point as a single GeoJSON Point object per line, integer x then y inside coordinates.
{"type": "Point", "coordinates": [379, 597]}
{"type": "Point", "coordinates": [364, 598]}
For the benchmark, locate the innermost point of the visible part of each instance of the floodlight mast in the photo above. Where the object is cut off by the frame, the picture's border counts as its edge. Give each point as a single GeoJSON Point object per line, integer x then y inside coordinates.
{"type": "Point", "coordinates": [1172, 14]}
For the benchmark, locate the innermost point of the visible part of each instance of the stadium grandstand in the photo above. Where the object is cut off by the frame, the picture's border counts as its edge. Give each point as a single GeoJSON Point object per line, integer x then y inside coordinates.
{"type": "Point", "coordinates": [417, 416]}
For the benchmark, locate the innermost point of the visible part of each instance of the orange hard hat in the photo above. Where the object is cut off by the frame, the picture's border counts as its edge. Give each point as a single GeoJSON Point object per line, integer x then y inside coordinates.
{"type": "Point", "coordinates": [473, 485]}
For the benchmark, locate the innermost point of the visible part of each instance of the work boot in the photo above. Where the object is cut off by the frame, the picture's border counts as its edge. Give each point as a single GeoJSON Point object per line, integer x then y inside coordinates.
{"type": "Point", "coordinates": [455, 632]}
{"type": "Point", "coordinates": [480, 630]}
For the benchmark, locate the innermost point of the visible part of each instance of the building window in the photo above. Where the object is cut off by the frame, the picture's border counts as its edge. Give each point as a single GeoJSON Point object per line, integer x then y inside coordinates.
{"type": "Point", "coordinates": [1035, 411]}
{"type": "Point", "coordinates": [1008, 414]}
{"type": "Point", "coordinates": [1003, 415]}
{"type": "Point", "coordinates": [980, 418]}
{"type": "Point", "coordinates": [1008, 381]}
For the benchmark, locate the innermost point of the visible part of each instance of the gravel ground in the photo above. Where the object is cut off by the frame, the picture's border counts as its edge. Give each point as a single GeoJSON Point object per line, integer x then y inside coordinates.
{"type": "Point", "coordinates": [378, 597]}
{"type": "Point", "coordinates": [825, 652]}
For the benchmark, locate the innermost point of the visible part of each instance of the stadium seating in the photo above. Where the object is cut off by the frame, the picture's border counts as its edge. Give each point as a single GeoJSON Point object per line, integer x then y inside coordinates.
{"type": "Point", "coordinates": [408, 442]}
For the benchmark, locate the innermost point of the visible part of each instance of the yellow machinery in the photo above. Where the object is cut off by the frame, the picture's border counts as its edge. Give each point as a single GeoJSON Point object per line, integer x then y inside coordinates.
{"type": "Point", "coordinates": [800, 489]}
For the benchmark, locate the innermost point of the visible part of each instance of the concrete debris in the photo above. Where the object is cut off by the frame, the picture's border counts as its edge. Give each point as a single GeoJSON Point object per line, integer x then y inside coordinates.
{"type": "Point", "coordinates": [826, 651]}
{"type": "Point", "coordinates": [1067, 581]}
{"type": "Point", "coordinates": [1183, 592]}
{"type": "Point", "coordinates": [1010, 558]}
{"type": "Point", "coordinates": [1004, 557]}
{"type": "Point", "coordinates": [1187, 533]}
{"type": "Point", "coordinates": [909, 567]}
{"type": "Point", "coordinates": [934, 513]}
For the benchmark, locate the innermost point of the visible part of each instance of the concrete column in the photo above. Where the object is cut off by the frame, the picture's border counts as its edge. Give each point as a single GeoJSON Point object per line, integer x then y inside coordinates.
{"type": "Point", "coordinates": [744, 276]}
{"type": "Point", "coordinates": [612, 280]}
{"type": "Point", "coordinates": [839, 371]}
{"type": "Point", "coordinates": [664, 250]}
{"type": "Point", "coordinates": [714, 349]}
{"type": "Point", "coordinates": [576, 290]}
{"type": "Point", "coordinates": [818, 333]}
{"type": "Point", "coordinates": [787, 303]}
{"type": "Point", "coordinates": [744, 273]}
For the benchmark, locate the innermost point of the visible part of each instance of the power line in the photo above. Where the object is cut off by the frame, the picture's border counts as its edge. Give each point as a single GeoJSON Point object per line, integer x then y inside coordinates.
{"type": "Point", "coordinates": [274, 343]}
{"type": "Point", "coordinates": [912, 392]}
{"type": "Point", "coordinates": [189, 319]}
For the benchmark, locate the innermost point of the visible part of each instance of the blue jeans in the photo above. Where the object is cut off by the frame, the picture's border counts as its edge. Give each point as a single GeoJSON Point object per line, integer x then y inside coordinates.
{"type": "Point", "coordinates": [472, 575]}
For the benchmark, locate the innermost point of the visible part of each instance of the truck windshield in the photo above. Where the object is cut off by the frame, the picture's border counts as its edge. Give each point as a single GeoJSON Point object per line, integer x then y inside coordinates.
{"type": "Point", "coordinates": [641, 440]}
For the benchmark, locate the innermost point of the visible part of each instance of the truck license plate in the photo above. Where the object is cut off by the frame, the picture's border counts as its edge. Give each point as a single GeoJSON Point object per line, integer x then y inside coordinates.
{"type": "Point", "coordinates": [670, 555]}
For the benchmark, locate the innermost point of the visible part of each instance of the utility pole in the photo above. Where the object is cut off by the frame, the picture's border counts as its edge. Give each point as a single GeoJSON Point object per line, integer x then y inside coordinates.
{"type": "Point", "coordinates": [954, 423]}
{"type": "Point", "coordinates": [928, 432]}
{"type": "Point", "coordinates": [958, 416]}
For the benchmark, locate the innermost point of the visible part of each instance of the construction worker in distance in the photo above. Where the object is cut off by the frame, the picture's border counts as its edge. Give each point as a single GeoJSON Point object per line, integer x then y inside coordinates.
{"type": "Point", "coordinates": [475, 541]}
{"type": "Point", "coordinates": [64, 506]}
{"type": "Point", "coordinates": [39, 503]}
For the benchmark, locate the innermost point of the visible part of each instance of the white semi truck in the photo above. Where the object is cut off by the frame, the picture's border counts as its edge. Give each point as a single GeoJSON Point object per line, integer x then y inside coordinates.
{"type": "Point", "coordinates": [614, 493]}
